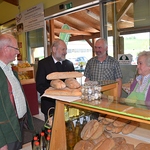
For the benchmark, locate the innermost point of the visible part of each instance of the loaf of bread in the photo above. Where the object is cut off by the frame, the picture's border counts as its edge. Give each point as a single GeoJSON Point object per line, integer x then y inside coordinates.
{"type": "Point", "coordinates": [72, 83]}
{"type": "Point", "coordinates": [110, 118]}
{"type": "Point", "coordinates": [107, 134]}
{"type": "Point", "coordinates": [120, 122]}
{"type": "Point", "coordinates": [125, 146]}
{"type": "Point", "coordinates": [63, 92]}
{"type": "Point", "coordinates": [142, 146]}
{"type": "Point", "coordinates": [89, 129]}
{"type": "Point", "coordinates": [107, 144]}
{"type": "Point", "coordinates": [83, 145]}
{"type": "Point", "coordinates": [119, 140]}
{"type": "Point", "coordinates": [98, 132]}
{"type": "Point", "coordinates": [58, 84]}
{"type": "Point", "coordinates": [130, 127]}
{"type": "Point", "coordinates": [101, 138]}
{"type": "Point", "coordinates": [64, 75]}
{"type": "Point", "coordinates": [114, 129]}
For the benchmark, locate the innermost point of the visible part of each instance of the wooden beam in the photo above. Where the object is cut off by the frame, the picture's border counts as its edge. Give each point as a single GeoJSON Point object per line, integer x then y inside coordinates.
{"type": "Point", "coordinates": [124, 9]}
{"type": "Point", "coordinates": [83, 18]}
{"type": "Point", "coordinates": [51, 34]}
{"type": "Point", "coordinates": [75, 32]}
{"type": "Point", "coordinates": [84, 37]}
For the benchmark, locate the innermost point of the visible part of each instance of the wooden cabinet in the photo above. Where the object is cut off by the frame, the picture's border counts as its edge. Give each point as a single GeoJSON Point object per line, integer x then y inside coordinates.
{"type": "Point", "coordinates": [114, 107]}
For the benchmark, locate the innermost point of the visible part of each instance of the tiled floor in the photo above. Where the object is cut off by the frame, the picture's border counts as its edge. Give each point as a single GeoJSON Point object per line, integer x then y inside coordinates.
{"type": "Point", "coordinates": [28, 145]}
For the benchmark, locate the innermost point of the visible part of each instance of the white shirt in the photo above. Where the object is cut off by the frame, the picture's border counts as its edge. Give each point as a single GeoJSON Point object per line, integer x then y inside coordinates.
{"type": "Point", "coordinates": [16, 89]}
{"type": "Point", "coordinates": [143, 86]}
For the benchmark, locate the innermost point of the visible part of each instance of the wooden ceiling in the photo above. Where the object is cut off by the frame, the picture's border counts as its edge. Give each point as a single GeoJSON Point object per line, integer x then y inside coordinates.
{"type": "Point", "coordinates": [85, 24]}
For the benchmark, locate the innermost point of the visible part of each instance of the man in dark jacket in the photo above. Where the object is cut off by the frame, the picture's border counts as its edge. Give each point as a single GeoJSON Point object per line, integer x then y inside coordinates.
{"type": "Point", "coordinates": [54, 63]}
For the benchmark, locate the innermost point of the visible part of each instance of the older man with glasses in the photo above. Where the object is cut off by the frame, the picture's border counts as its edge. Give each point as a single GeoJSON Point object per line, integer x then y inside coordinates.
{"type": "Point", "coordinates": [14, 110]}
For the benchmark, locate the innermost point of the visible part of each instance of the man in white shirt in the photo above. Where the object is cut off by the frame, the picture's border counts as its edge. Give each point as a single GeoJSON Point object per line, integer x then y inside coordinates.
{"type": "Point", "coordinates": [13, 106]}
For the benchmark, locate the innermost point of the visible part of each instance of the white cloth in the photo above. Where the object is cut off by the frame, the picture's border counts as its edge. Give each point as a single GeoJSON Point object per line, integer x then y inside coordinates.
{"type": "Point", "coordinates": [16, 89]}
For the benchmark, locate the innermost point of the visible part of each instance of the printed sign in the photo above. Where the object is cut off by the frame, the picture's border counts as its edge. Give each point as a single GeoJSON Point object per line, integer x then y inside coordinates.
{"type": "Point", "coordinates": [125, 58]}
{"type": "Point", "coordinates": [31, 19]}
{"type": "Point", "coordinates": [65, 36]}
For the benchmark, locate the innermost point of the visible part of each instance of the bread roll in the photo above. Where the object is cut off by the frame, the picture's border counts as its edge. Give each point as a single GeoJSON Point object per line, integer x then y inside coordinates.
{"type": "Point", "coordinates": [89, 129]}
{"type": "Point", "coordinates": [107, 134]}
{"type": "Point", "coordinates": [113, 128]}
{"type": "Point", "coordinates": [110, 118]}
{"type": "Point", "coordinates": [109, 127]}
{"type": "Point", "coordinates": [105, 122]}
{"type": "Point", "coordinates": [120, 122]}
{"type": "Point", "coordinates": [119, 140]}
{"type": "Point", "coordinates": [142, 146]}
{"type": "Point", "coordinates": [130, 127]}
{"type": "Point", "coordinates": [72, 83]}
{"type": "Point", "coordinates": [64, 75]}
{"type": "Point", "coordinates": [107, 144]}
{"type": "Point", "coordinates": [98, 132]}
{"type": "Point", "coordinates": [125, 146]}
{"type": "Point", "coordinates": [101, 138]}
{"type": "Point", "coordinates": [58, 84]}
{"type": "Point", "coordinates": [63, 92]}
{"type": "Point", "coordinates": [100, 118]}
{"type": "Point", "coordinates": [83, 145]}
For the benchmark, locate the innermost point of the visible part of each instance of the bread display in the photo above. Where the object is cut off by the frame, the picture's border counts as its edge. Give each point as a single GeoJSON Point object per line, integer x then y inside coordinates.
{"type": "Point", "coordinates": [60, 87]}
{"type": "Point", "coordinates": [63, 92]}
{"type": "Point", "coordinates": [64, 75]}
{"type": "Point", "coordinates": [58, 84]}
{"type": "Point", "coordinates": [72, 83]}
{"type": "Point", "coordinates": [101, 135]}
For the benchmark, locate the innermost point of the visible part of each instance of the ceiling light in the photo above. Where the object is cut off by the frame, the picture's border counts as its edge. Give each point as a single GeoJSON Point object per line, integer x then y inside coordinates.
{"type": "Point", "coordinates": [93, 15]}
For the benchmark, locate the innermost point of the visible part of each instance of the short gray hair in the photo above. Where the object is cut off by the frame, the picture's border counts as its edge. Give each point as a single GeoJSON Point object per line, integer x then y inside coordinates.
{"type": "Point", "coordinates": [104, 40]}
{"type": "Point", "coordinates": [56, 43]}
{"type": "Point", "coordinates": [5, 39]}
{"type": "Point", "coordinates": [146, 54]}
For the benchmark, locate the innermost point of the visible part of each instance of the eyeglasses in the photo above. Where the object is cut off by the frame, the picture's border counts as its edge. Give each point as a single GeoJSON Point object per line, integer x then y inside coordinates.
{"type": "Point", "coordinates": [14, 48]}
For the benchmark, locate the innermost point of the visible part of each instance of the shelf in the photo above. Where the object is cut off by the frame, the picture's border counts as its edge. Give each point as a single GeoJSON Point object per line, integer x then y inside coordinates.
{"type": "Point", "coordinates": [25, 72]}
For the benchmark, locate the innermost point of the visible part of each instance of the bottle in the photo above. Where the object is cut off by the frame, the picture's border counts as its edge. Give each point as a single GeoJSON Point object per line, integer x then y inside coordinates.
{"type": "Point", "coordinates": [48, 132]}
{"type": "Point", "coordinates": [48, 142]}
{"type": "Point", "coordinates": [35, 138]}
{"type": "Point", "coordinates": [66, 113]}
{"type": "Point", "coordinates": [77, 130]}
{"type": "Point", "coordinates": [42, 141]}
{"type": "Point", "coordinates": [84, 121]}
{"type": "Point", "coordinates": [70, 138]}
{"type": "Point", "coordinates": [36, 146]}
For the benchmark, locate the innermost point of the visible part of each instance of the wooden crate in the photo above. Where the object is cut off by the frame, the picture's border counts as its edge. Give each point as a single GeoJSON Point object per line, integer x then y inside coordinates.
{"type": "Point", "coordinates": [29, 71]}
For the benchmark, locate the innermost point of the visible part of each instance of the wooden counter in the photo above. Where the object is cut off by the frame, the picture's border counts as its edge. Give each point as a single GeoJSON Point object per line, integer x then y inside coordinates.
{"type": "Point", "coordinates": [111, 106]}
